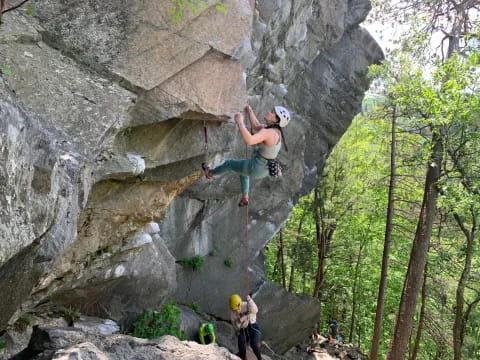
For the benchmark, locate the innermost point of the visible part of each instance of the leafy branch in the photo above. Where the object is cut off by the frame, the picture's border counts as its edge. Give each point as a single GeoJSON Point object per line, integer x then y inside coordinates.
{"type": "Point", "coordinates": [194, 6]}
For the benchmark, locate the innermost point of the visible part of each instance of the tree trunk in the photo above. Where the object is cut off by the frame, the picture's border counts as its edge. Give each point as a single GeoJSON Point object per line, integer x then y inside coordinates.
{"type": "Point", "coordinates": [292, 275]}
{"type": "Point", "coordinates": [304, 282]}
{"type": "Point", "coordinates": [421, 319]}
{"type": "Point", "coordinates": [276, 266]}
{"type": "Point", "coordinates": [323, 235]}
{"type": "Point", "coordinates": [377, 329]}
{"type": "Point", "coordinates": [410, 344]}
{"type": "Point", "coordinates": [295, 256]}
{"type": "Point", "coordinates": [418, 256]}
{"type": "Point", "coordinates": [470, 308]}
{"type": "Point", "coordinates": [282, 260]}
{"type": "Point", "coordinates": [355, 292]}
{"type": "Point", "coordinates": [459, 324]}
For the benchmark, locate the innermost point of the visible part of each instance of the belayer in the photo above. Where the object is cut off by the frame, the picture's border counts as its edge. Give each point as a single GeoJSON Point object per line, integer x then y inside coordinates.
{"type": "Point", "coordinates": [244, 321]}
{"type": "Point", "coordinates": [262, 163]}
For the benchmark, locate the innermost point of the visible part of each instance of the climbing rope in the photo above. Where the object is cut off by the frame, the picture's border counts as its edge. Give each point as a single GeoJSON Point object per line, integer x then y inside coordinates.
{"type": "Point", "coordinates": [247, 250]}
{"type": "Point", "coordinates": [206, 138]}
{"type": "Point", "coordinates": [247, 258]}
{"type": "Point", "coordinates": [13, 7]}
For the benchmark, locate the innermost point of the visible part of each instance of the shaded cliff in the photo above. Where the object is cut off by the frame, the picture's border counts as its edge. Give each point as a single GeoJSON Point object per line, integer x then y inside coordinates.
{"type": "Point", "coordinates": [102, 135]}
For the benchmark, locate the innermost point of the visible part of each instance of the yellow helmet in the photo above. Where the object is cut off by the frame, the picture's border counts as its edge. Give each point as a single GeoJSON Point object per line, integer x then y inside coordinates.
{"type": "Point", "coordinates": [235, 302]}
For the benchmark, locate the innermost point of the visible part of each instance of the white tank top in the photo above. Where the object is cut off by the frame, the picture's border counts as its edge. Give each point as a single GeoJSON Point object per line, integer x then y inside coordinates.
{"type": "Point", "coordinates": [270, 152]}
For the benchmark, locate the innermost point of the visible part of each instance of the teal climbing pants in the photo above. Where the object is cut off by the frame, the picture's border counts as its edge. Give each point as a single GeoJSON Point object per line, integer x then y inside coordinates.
{"type": "Point", "coordinates": [255, 167]}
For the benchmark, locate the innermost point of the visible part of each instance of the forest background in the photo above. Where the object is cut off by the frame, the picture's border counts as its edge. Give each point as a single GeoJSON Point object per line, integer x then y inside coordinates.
{"type": "Point", "coordinates": [388, 240]}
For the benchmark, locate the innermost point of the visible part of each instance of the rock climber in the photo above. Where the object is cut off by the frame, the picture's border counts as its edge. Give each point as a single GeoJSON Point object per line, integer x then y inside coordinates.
{"type": "Point", "coordinates": [206, 333]}
{"type": "Point", "coordinates": [262, 163]}
{"type": "Point", "coordinates": [333, 331]}
{"type": "Point", "coordinates": [244, 320]}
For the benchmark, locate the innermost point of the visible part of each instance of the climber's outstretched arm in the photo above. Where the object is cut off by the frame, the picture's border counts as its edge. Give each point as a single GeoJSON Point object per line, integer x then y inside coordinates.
{"type": "Point", "coordinates": [253, 119]}
{"type": "Point", "coordinates": [250, 139]}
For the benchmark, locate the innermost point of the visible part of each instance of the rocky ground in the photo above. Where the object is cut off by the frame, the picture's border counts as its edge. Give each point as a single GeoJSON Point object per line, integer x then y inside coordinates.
{"type": "Point", "coordinates": [99, 339]}
{"type": "Point", "coordinates": [323, 349]}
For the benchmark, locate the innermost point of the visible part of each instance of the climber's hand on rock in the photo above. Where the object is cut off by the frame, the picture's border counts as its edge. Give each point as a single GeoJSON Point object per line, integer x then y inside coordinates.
{"type": "Point", "coordinates": [239, 119]}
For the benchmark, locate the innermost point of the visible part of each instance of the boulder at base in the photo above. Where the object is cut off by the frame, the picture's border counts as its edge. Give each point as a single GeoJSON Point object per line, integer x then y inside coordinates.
{"type": "Point", "coordinates": [66, 343]}
{"type": "Point", "coordinates": [323, 349]}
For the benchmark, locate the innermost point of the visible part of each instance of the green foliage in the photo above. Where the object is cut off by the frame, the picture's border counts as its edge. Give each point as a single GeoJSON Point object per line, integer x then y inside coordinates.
{"type": "Point", "coordinates": [195, 307]}
{"type": "Point", "coordinates": [6, 70]}
{"type": "Point", "coordinates": [417, 24]}
{"type": "Point", "coordinates": [23, 321]}
{"type": "Point", "coordinates": [178, 11]}
{"type": "Point", "coordinates": [222, 8]}
{"type": "Point", "coordinates": [228, 262]}
{"type": "Point", "coordinates": [30, 10]}
{"type": "Point", "coordinates": [181, 6]}
{"type": "Point", "coordinates": [353, 194]}
{"type": "Point", "coordinates": [196, 262]}
{"type": "Point", "coordinates": [213, 252]}
{"type": "Point", "coordinates": [70, 314]}
{"type": "Point", "coordinates": [430, 94]}
{"type": "Point", "coordinates": [3, 344]}
{"type": "Point", "coordinates": [153, 324]}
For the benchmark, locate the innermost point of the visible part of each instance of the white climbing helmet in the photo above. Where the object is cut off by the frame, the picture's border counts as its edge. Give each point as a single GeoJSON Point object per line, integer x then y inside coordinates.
{"type": "Point", "coordinates": [283, 114]}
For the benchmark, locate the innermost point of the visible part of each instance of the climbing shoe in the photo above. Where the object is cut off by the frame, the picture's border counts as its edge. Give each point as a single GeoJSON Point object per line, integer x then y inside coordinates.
{"type": "Point", "coordinates": [207, 171]}
{"type": "Point", "coordinates": [243, 201]}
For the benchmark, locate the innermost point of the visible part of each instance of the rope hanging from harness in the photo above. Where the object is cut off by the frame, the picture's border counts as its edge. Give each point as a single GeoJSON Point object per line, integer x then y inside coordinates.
{"type": "Point", "coordinates": [246, 250]}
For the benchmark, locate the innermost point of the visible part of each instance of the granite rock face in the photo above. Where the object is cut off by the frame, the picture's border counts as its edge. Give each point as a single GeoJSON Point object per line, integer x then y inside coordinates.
{"type": "Point", "coordinates": [107, 112]}
{"type": "Point", "coordinates": [166, 61]}
{"type": "Point", "coordinates": [277, 306]}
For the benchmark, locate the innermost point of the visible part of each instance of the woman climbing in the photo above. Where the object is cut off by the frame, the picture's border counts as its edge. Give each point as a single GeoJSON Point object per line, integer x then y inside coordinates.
{"type": "Point", "coordinates": [269, 139]}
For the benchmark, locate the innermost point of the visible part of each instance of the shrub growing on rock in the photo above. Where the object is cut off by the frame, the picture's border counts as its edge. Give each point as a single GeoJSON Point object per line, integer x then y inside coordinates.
{"type": "Point", "coordinates": [153, 324]}
{"type": "Point", "coordinates": [195, 262]}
